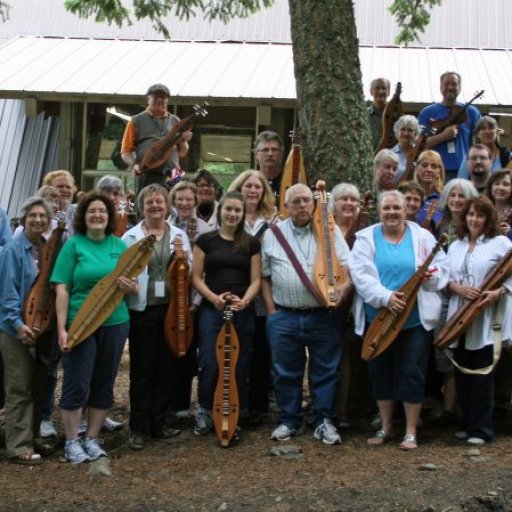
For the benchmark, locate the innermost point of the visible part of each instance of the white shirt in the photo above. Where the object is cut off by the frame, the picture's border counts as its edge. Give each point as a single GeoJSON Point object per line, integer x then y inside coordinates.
{"type": "Point", "coordinates": [486, 254]}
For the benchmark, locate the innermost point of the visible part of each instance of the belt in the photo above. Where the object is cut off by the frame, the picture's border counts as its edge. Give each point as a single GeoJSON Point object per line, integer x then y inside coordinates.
{"type": "Point", "coordinates": [301, 310]}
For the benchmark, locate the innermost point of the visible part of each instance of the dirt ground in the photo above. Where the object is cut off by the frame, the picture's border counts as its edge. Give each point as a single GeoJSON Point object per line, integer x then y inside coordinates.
{"type": "Point", "coordinates": [189, 473]}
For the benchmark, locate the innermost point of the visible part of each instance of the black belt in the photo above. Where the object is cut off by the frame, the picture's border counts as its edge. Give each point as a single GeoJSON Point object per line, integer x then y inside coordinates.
{"type": "Point", "coordinates": [301, 310]}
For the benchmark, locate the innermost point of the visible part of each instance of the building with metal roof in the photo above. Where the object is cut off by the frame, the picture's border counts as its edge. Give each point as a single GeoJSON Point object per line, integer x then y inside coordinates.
{"type": "Point", "coordinates": [71, 69]}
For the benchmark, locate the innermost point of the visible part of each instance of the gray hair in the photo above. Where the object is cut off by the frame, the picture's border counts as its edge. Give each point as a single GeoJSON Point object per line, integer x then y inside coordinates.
{"type": "Point", "coordinates": [110, 182]}
{"type": "Point", "coordinates": [344, 189]}
{"type": "Point", "coordinates": [30, 203]}
{"type": "Point", "coordinates": [294, 188]}
{"type": "Point", "coordinates": [383, 156]}
{"type": "Point", "coordinates": [468, 189]}
{"type": "Point", "coordinates": [266, 136]}
{"type": "Point", "coordinates": [407, 120]}
{"type": "Point", "coordinates": [148, 190]}
{"type": "Point", "coordinates": [391, 193]}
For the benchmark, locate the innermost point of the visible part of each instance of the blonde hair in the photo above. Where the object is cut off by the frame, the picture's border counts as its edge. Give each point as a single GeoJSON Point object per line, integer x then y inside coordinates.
{"type": "Point", "coordinates": [266, 206]}
{"type": "Point", "coordinates": [434, 155]}
{"type": "Point", "coordinates": [47, 180]}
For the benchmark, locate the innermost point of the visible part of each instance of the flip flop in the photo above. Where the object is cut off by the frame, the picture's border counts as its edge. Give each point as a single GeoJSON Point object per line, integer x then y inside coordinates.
{"type": "Point", "coordinates": [27, 459]}
{"type": "Point", "coordinates": [409, 442]}
{"type": "Point", "coordinates": [380, 438]}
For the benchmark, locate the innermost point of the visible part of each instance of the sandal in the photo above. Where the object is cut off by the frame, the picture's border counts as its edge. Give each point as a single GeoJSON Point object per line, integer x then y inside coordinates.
{"type": "Point", "coordinates": [409, 442]}
{"type": "Point", "coordinates": [380, 438]}
{"type": "Point", "coordinates": [27, 459]}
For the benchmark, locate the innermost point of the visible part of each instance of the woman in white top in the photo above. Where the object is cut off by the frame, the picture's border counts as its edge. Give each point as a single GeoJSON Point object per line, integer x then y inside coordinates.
{"type": "Point", "coordinates": [478, 250]}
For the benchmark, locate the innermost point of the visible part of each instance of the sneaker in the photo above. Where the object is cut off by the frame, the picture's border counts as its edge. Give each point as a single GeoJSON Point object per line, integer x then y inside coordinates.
{"type": "Point", "coordinates": [136, 441]}
{"type": "Point", "coordinates": [282, 433]}
{"type": "Point", "coordinates": [327, 433]}
{"type": "Point", "coordinates": [461, 435]}
{"type": "Point", "coordinates": [111, 426]}
{"type": "Point", "coordinates": [92, 448]}
{"type": "Point", "coordinates": [476, 441]}
{"type": "Point", "coordinates": [204, 422]}
{"type": "Point", "coordinates": [74, 453]}
{"type": "Point", "coordinates": [46, 429]}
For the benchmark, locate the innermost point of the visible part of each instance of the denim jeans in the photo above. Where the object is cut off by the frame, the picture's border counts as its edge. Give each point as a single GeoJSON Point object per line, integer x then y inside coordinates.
{"type": "Point", "coordinates": [290, 333]}
{"type": "Point", "coordinates": [209, 325]}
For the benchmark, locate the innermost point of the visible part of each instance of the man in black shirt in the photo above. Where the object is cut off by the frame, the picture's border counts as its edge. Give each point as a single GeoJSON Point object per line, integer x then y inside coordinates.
{"type": "Point", "coordinates": [268, 151]}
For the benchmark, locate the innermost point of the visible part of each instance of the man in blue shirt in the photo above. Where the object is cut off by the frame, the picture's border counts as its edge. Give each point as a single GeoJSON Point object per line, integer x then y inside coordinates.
{"type": "Point", "coordinates": [454, 141]}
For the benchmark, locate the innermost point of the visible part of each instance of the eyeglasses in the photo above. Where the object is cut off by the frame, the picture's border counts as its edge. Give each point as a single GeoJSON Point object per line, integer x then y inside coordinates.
{"type": "Point", "coordinates": [205, 185]}
{"type": "Point", "coordinates": [300, 200]}
{"type": "Point", "coordinates": [476, 158]}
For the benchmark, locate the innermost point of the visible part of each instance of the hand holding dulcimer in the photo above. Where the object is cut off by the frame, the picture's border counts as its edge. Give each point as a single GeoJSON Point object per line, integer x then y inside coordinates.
{"type": "Point", "coordinates": [106, 295]}
{"type": "Point", "coordinates": [226, 408]}
{"type": "Point", "coordinates": [39, 307]}
{"type": "Point", "coordinates": [386, 326]}
{"type": "Point", "coordinates": [159, 152]}
{"type": "Point", "coordinates": [467, 314]}
{"type": "Point", "coordinates": [178, 319]}
{"type": "Point", "coordinates": [393, 111]}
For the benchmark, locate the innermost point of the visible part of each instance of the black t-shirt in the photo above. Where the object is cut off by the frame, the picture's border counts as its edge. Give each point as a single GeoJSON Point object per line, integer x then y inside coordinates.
{"type": "Point", "coordinates": [224, 269]}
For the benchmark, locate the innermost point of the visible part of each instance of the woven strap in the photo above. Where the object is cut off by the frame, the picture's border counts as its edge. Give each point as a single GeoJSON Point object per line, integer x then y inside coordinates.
{"type": "Point", "coordinates": [295, 263]}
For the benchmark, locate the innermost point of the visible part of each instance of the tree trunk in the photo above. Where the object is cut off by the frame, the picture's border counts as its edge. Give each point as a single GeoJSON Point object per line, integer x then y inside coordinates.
{"type": "Point", "coordinates": [332, 112]}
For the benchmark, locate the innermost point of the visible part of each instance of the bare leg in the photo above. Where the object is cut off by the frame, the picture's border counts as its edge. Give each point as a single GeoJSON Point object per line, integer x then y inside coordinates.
{"type": "Point", "coordinates": [95, 420]}
{"type": "Point", "coordinates": [412, 414]}
{"type": "Point", "coordinates": [70, 421]}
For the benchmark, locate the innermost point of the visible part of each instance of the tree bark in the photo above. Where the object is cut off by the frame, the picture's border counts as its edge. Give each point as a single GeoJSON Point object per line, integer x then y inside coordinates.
{"type": "Point", "coordinates": [332, 113]}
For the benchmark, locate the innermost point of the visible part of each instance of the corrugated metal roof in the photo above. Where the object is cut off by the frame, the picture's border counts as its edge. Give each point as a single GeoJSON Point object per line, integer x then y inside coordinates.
{"type": "Point", "coordinates": [118, 70]}
{"type": "Point", "coordinates": [454, 24]}
{"type": "Point", "coordinates": [27, 152]}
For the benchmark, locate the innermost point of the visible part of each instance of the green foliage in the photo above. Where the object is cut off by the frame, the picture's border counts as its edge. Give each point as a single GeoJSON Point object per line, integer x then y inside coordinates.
{"type": "Point", "coordinates": [412, 17]}
{"type": "Point", "coordinates": [114, 11]}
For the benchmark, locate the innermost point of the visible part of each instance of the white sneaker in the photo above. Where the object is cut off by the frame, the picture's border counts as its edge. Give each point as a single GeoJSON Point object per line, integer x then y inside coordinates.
{"type": "Point", "coordinates": [111, 426]}
{"type": "Point", "coordinates": [327, 433]}
{"type": "Point", "coordinates": [46, 429]}
{"type": "Point", "coordinates": [476, 441]}
{"type": "Point", "coordinates": [282, 433]}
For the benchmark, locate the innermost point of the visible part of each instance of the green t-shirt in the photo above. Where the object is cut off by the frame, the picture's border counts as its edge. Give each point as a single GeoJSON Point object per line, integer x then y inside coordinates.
{"type": "Point", "coordinates": [81, 263]}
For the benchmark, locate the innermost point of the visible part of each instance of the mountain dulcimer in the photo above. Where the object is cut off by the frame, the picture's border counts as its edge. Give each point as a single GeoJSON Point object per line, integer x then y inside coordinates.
{"type": "Point", "coordinates": [39, 307]}
{"type": "Point", "coordinates": [327, 271]}
{"type": "Point", "coordinates": [387, 325]}
{"type": "Point", "coordinates": [467, 314]}
{"type": "Point", "coordinates": [226, 407]}
{"type": "Point", "coordinates": [106, 296]}
{"type": "Point", "coordinates": [293, 173]}
{"type": "Point", "coordinates": [160, 151]}
{"type": "Point", "coordinates": [179, 328]}
{"type": "Point", "coordinates": [393, 111]}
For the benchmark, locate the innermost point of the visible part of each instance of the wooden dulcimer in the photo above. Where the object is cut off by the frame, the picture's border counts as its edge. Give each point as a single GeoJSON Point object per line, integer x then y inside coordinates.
{"type": "Point", "coordinates": [415, 152]}
{"type": "Point", "coordinates": [226, 407]}
{"type": "Point", "coordinates": [467, 314]}
{"type": "Point", "coordinates": [387, 325]}
{"type": "Point", "coordinates": [160, 151]}
{"type": "Point", "coordinates": [106, 296]}
{"type": "Point", "coordinates": [392, 113]}
{"type": "Point", "coordinates": [179, 326]}
{"type": "Point", "coordinates": [39, 307]}
{"type": "Point", "coordinates": [327, 271]}
{"type": "Point", "coordinates": [293, 173]}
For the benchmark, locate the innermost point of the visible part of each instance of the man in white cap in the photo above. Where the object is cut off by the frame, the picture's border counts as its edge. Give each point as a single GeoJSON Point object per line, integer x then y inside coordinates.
{"type": "Point", "coordinates": [146, 128]}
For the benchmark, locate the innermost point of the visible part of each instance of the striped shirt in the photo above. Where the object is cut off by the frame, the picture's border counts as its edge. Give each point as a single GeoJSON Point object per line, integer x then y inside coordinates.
{"type": "Point", "coordinates": [287, 288]}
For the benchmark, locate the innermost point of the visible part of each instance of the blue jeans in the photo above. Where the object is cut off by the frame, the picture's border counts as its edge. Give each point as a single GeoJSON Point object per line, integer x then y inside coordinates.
{"type": "Point", "coordinates": [290, 333]}
{"type": "Point", "coordinates": [399, 372]}
{"type": "Point", "coordinates": [210, 322]}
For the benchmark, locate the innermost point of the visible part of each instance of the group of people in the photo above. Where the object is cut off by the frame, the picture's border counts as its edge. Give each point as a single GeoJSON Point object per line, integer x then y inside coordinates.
{"type": "Point", "coordinates": [242, 255]}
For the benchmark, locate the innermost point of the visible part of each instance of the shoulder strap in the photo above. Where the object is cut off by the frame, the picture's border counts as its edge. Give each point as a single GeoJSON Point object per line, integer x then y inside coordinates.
{"type": "Point", "coordinates": [295, 263]}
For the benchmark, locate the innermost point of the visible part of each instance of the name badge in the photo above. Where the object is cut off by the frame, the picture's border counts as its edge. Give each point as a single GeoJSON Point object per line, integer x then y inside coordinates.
{"type": "Point", "coordinates": [451, 146]}
{"type": "Point", "coordinates": [159, 289]}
